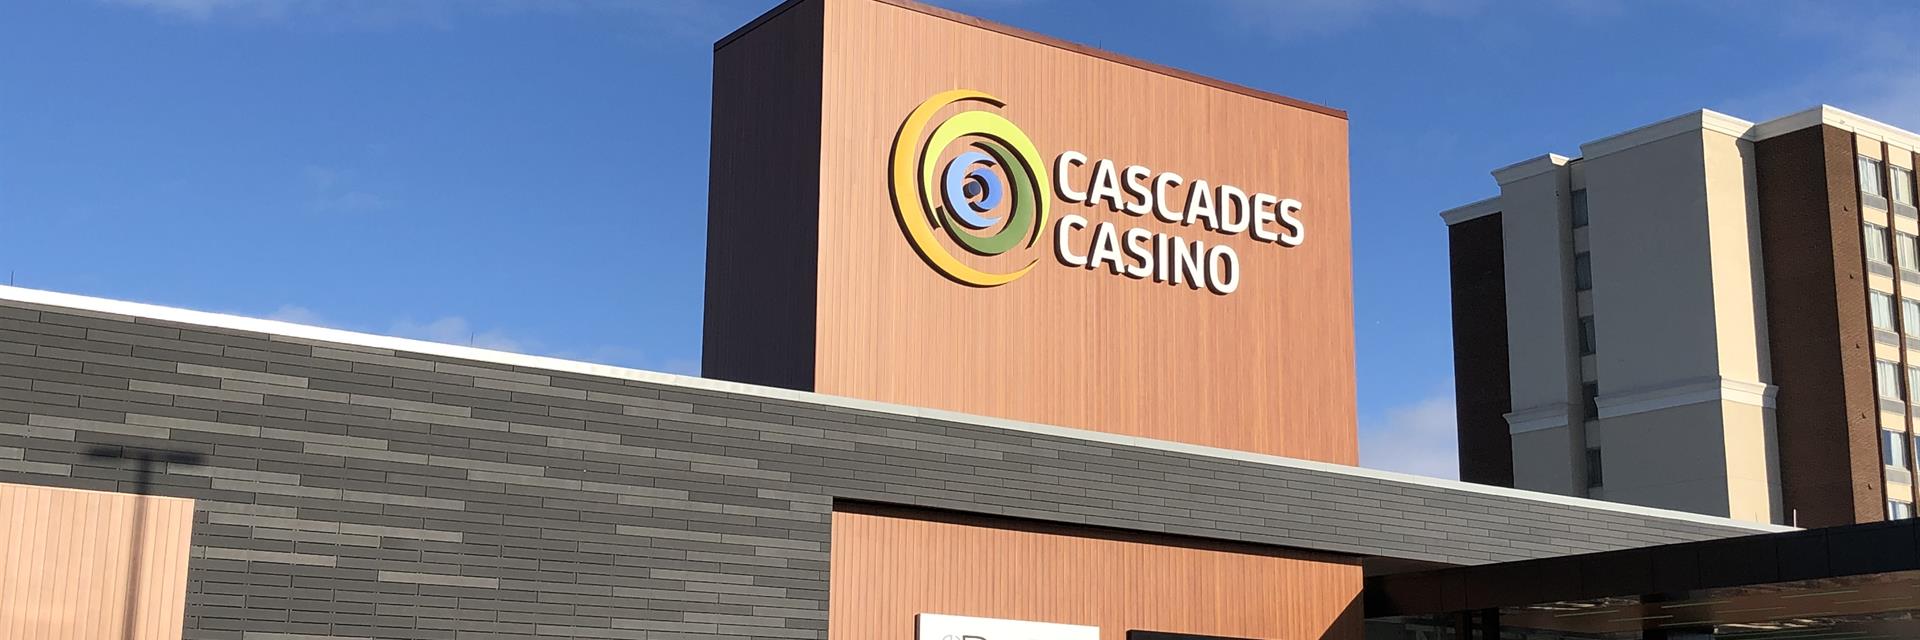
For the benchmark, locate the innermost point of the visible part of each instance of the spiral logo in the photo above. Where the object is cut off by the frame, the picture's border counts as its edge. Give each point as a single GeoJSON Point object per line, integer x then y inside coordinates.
{"type": "Point", "coordinates": [990, 198]}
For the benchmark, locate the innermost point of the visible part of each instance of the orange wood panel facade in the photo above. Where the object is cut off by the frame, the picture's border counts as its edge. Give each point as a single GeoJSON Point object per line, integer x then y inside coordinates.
{"type": "Point", "coordinates": [887, 568]}
{"type": "Point", "coordinates": [84, 565]}
{"type": "Point", "coordinates": [1268, 368]}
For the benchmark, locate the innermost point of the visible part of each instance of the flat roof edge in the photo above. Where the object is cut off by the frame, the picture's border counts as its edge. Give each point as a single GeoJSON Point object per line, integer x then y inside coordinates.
{"type": "Point", "coordinates": [132, 310]}
{"type": "Point", "coordinates": [1472, 210]}
{"type": "Point", "coordinates": [1827, 114]}
{"type": "Point", "coordinates": [1057, 43]}
{"type": "Point", "coordinates": [1529, 167]}
{"type": "Point", "coordinates": [1696, 120]}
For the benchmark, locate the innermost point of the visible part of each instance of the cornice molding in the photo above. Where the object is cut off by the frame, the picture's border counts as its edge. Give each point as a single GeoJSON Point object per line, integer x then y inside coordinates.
{"type": "Point", "coordinates": [1687, 392]}
{"type": "Point", "coordinates": [1465, 212]}
{"type": "Point", "coordinates": [1710, 120]}
{"type": "Point", "coordinates": [1546, 416]}
{"type": "Point", "coordinates": [1839, 118]}
{"type": "Point", "coordinates": [1528, 168]}
{"type": "Point", "coordinates": [1701, 120]}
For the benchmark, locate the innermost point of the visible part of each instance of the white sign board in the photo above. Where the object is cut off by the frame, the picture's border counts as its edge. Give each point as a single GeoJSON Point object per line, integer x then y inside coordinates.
{"type": "Point", "coordinates": [933, 626]}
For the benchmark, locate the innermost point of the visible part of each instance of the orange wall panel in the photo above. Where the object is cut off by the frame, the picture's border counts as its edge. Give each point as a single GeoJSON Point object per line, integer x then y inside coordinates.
{"type": "Point", "coordinates": [889, 565]}
{"type": "Point", "coordinates": [86, 565]}
{"type": "Point", "coordinates": [1268, 368]}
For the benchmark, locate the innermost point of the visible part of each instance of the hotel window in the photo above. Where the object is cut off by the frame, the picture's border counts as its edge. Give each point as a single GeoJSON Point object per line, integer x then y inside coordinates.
{"type": "Point", "coordinates": [1579, 208]}
{"type": "Point", "coordinates": [1897, 510]}
{"type": "Point", "coordinates": [1886, 378]}
{"type": "Point", "coordinates": [1869, 176]}
{"type": "Point", "coordinates": [1908, 246]}
{"type": "Point", "coordinates": [1913, 383]}
{"type": "Point", "coordinates": [1881, 306]}
{"type": "Point", "coordinates": [1583, 271]}
{"type": "Point", "coordinates": [1900, 182]}
{"type": "Point", "coordinates": [1910, 316]}
{"type": "Point", "coordinates": [1876, 239]}
{"type": "Point", "coordinates": [1586, 335]}
{"type": "Point", "coordinates": [1594, 477]}
{"type": "Point", "coordinates": [1893, 449]}
{"type": "Point", "coordinates": [1590, 400]}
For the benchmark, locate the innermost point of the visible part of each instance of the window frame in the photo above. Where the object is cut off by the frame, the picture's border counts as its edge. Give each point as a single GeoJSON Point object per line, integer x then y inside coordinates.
{"type": "Point", "coordinates": [1589, 342]}
{"type": "Point", "coordinates": [1583, 271]}
{"type": "Point", "coordinates": [1582, 210]}
{"type": "Point", "coordinates": [1861, 165]}
{"type": "Point", "coordinates": [1869, 243]}
{"type": "Point", "coordinates": [1910, 317]}
{"type": "Point", "coordinates": [1915, 440]}
{"type": "Point", "coordinates": [1899, 510]}
{"type": "Point", "coordinates": [1913, 386]}
{"type": "Point", "coordinates": [1900, 185]}
{"type": "Point", "coordinates": [1906, 248]}
{"type": "Point", "coordinates": [1590, 400]}
{"type": "Point", "coordinates": [1893, 449]}
{"type": "Point", "coordinates": [1880, 311]}
{"type": "Point", "coordinates": [1881, 380]}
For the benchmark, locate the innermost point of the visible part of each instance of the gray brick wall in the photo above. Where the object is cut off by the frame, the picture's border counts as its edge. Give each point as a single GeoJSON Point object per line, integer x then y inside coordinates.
{"type": "Point", "coordinates": [349, 491]}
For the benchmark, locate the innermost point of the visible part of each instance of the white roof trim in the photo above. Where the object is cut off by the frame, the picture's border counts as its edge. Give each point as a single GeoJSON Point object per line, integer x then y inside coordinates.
{"type": "Point", "coordinates": [1529, 167]}
{"type": "Point", "coordinates": [1470, 211]}
{"type": "Point", "coordinates": [1841, 118]}
{"type": "Point", "coordinates": [1710, 120]}
{"type": "Point", "coordinates": [1702, 120]}
{"type": "Point", "coordinates": [298, 331]}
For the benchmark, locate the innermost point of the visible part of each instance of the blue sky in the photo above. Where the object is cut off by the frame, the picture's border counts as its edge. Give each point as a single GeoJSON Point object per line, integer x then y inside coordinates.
{"type": "Point", "coordinates": [531, 175]}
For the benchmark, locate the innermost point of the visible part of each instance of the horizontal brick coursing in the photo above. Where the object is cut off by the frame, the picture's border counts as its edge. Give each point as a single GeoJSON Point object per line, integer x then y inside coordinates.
{"type": "Point", "coordinates": [347, 491]}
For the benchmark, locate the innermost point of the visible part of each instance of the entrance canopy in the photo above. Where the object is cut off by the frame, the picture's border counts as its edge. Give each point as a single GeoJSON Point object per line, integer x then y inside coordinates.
{"type": "Point", "coordinates": [1856, 582]}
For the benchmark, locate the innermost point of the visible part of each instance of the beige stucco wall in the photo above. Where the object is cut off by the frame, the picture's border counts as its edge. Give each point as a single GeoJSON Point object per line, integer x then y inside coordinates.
{"type": "Point", "coordinates": [1681, 327]}
{"type": "Point", "coordinates": [1541, 461]}
{"type": "Point", "coordinates": [1709, 458]}
{"type": "Point", "coordinates": [1656, 459]}
{"type": "Point", "coordinates": [1654, 272]}
{"type": "Point", "coordinates": [1679, 306]}
{"type": "Point", "coordinates": [1541, 340]}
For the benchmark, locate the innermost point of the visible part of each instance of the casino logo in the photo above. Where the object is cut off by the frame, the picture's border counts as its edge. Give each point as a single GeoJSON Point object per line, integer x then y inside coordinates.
{"type": "Point", "coordinates": [978, 180]}
{"type": "Point", "coordinates": [990, 198]}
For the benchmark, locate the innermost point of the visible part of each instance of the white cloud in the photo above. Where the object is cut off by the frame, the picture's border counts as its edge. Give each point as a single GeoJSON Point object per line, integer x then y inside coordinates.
{"type": "Point", "coordinates": [332, 190]}
{"type": "Point", "coordinates": [1417, 438]}
{"type": "Point", "coordinates": [1861, 66]}
{"type": "Point", "coordinates": [682, 366]}
{"type": "Point", "coordinates": [1320, 16]}
{"type": "Point", "coordinates": [619, 356]}
{"type": "Point", "coordinates": [190, 9]}
{"type": "Point", "coordinates": [456, 330]}
{"type": "Point", "coordinates": [296, 314]}
{"type": "Point", "coordinates": [676, 17]}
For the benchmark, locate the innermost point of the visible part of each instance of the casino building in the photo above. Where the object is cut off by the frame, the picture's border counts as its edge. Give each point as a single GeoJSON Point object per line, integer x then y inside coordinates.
{"type": "Point", "coordinates": [1006, 338]}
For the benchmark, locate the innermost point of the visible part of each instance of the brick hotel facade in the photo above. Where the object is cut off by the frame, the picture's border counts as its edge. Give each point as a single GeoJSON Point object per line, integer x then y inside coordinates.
{"type": "Point", "coordinates": [1704, 313]}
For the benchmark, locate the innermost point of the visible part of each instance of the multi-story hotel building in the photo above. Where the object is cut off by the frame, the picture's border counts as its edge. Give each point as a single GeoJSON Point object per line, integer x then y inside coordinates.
{"type": "Point", "coordinates": [1704, 314]}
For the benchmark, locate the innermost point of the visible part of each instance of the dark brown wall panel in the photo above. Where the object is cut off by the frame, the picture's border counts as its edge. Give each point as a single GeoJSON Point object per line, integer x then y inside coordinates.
{"type": "Point", "coordinates": [890, 564]}
{"type": "Point", "coordinates": [1483, 392]}
{"type": "Point", "coordinates": [763, 193]}
{"type": "Point", "coordinates": [1818, 329]}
